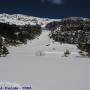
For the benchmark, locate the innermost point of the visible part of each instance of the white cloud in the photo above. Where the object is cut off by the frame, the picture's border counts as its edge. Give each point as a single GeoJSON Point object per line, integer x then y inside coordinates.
{"type": "Point", "coordinates": [58, 2]}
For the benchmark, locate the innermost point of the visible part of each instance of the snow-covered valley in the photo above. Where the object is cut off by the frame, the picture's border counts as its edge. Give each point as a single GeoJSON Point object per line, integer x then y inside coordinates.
{"type": "Point", "coordinates": [41, 62]}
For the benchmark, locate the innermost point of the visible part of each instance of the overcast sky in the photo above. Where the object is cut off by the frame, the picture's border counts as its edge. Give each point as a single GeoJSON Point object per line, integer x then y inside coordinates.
{"type": "Point", "coordinates": [47, 8]}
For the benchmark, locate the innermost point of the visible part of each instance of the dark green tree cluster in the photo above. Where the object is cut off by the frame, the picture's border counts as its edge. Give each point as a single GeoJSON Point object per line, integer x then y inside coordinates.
{"type": "Point", "coordinates": [84, 42]}
{"type": "Point", "coordinates": [3, 49]}
{"type": "Point", "coordinates": [68, 31]}
{"type": "Point", "coordinates": [53, 25]}
{"type": "Point", "coordinates": [14, 35]}
{"type": "Point", "coordinates": [73, 31]}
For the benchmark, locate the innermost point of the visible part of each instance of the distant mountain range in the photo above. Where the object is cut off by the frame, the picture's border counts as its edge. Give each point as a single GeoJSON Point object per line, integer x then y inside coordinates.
{"type": "Point", "coordinates": [19, 19]}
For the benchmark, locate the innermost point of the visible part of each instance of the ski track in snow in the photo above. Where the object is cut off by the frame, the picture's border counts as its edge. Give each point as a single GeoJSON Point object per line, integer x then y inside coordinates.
{"type": "Point", "coordinates": [51, 71]}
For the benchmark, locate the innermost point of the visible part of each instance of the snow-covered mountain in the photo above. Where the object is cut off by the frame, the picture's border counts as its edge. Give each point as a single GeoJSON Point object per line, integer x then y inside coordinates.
{"type": "Point", "coordinates": [20, 19]}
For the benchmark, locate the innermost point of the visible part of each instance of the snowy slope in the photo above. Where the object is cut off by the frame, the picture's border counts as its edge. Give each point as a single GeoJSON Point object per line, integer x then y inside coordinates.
{"type": "Point", "coordinates": [51, 71]}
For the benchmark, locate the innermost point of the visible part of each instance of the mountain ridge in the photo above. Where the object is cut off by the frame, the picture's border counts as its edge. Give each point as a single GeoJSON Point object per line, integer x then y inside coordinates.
{"type": "Point", "coordinates": [20, 19]}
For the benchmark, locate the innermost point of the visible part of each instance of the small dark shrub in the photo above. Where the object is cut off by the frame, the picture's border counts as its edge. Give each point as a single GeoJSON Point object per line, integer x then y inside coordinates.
{"type": "Point", "coordinates": [67, 53]}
